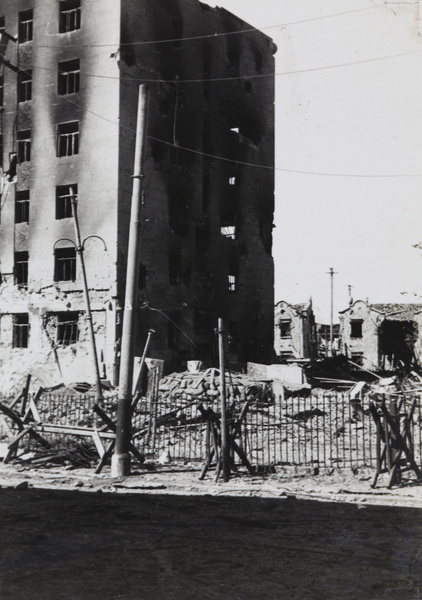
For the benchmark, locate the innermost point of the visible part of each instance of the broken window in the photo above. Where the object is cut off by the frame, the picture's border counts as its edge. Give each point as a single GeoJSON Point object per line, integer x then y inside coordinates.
{"type": "Point", "coordinates": [357, 358]}
{"type": "Point", "coordinates": [20, 330]}
{"type": "Point", "coordinates": [175, 269]}
{"type": "Point", "coordinates": [24, 86]}
{"type": "Point", "coordinates": [25, 26]}
{"type": "Point", "coordinates": [68, 82]}
{"type": "Point", "coordinates": [67, 328]}
{"type": "Point", "coordinates": [65, 264]}
{"type": "Point", "coordinates": [233, 279]}
{"type": "Point", "coordinates": [356, 328]}
{"type": "Point", "coordinates": [22, 207]}
{"type": "Point", "coordinates": [232, 180]}
{"type": "Point", "coordinates": [285, 327]}
{"type": "Point", "coordinates": [21, 269]}
{"type": "Point", "coordinates": [228, 231]}
{"type": "Point", "coordinates": [68, 139]}
{"type": "Point", "coordinates": [64, 195]}
{"type": "Point", "coordinates": [24, 145]}
{"type": "Point", "coordinates": [70, 16]}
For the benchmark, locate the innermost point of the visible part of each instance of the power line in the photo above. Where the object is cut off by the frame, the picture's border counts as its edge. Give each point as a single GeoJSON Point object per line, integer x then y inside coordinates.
{"type": "Point", "coordinates": [240, 77]}
{"type": "Point", "coordinates": [248, 164]}
{"type": "Point", "coordinates": [210, 35]}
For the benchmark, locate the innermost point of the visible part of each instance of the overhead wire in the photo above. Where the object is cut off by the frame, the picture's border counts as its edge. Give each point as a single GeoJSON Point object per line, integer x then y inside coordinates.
{"type": "Point", "coordinates": [213, 35]}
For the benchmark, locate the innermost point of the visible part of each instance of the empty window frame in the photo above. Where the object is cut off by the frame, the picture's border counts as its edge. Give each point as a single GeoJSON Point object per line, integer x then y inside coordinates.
{"type": "Point", "coordinates": [175, 269]}
{"type": "Point", "coordinates": [67, 331]}
{"type": "Point", "coordinates": [20, 330]}
{"type": "Point", "coordinates": [64, 195]}
{"type": "Point", "coordinates": [285, 328]}
{"type": "Point", "coordinates": [65, 264]}
{"type": "Point", "coordinates": [25, 26]}
{"type": "Point", "coordinates": [21, 269]}
{"type": "Point", "coordinates": [24, 146]}
{"type": "Point", "coordinates": [232, 180]}
{"type": "Point", "coordinates": [22, 207]}
{"type": "Point", "coordinates": [70, 16]}
{"type": "Point", "coordinates": [68, 77]}
{"type": "Point", "coordinates": [357, 358]}
{"type": "Point", "coordinates": [228, 231]}
{"type": "Point", "coordinates": [68, 139]}
{"type": "Point", "coordinates": [356, 328]}
{"type": "Point", "coordinates": [233, 281]}
{"type": "Point", "coordinates": [24, 86]}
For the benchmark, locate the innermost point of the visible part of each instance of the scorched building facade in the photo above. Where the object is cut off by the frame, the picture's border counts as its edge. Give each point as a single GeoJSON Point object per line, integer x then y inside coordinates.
{"type": "Point", "coordinates": [70, 76]}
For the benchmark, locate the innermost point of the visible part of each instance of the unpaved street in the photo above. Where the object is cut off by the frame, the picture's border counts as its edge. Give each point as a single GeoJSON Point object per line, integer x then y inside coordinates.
{"type": "Point", "coordinates": [149, 544]}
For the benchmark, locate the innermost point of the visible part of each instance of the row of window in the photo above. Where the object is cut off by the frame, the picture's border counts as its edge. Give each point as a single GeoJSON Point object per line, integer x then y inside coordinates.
{"type": "Point", "coordinates": [68, 81]}
{"type": "Point", "coordinates": [67, 141]}
{"type": "Point", "coordinates": [64, 195]}
{"type": "Point", "coordinates": [69, 20]}
{"type": "Point", "coordinates": [64, 266]}
{"type": "Point", "coordinates": [67, 329]}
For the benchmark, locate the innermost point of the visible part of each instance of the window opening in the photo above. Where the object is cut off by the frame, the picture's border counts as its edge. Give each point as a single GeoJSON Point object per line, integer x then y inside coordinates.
{"type": "Point", "coordinates": [357, 357]}
{"type": "Point", "coordinates": [20, 330]}
{"type": "Point", "coordinates": [232, 282]}
{"type": "Point", "coordinates": [228, 231]}
{"type": "Point", "coordinates": [65, 264]}
{"type": "Point", "coordinates": [68, 139]}
{"type": "Point", "coordinates": [22, 207]}
{"type": "Point", "coordinates": [285, 327]}
{"type": "Point", "coordinates": [64, 200]}
{"type": "Point", "coordinates": [232, 180]}
{"type": "Point", "coordinates": [24, 146]}
{"type": "Point", "coordinates": [68, 82]}
{"type": "Point", "coordinates": [70, 16]}
{"type": "Point", "coordinates": [67, 328]}
{"type": "Point", "coordinates": [25, 26]}
{"type": "Point", "coordinates": [21, 269]}
{"type": "Point", "coordinates": [25, 86]}
{"type": "Point", "coordinates": [356, 328]}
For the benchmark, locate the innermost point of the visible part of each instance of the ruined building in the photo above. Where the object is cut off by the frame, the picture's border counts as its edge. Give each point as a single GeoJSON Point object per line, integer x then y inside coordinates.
{"type": "Point", "coordinates": [69, 77]}
{"type": "Point", "coordinates": [294, 331]}
{"type": "Point", "coordinates": [382, 336]}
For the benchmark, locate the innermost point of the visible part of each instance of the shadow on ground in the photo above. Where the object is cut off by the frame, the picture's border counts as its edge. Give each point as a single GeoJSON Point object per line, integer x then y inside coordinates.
{"type": "Point", "coordinates": [78, 545]}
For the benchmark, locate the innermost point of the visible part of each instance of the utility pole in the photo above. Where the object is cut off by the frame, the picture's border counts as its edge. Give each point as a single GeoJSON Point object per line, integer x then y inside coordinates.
{"type": "Point", "coordinates": [349, 287]}
{"type": "Point", "coordinates": [79, 250]}
{"type": "Point", "coordinates": [120, 463]}
{"type": "Point", "coordinates": [331, 273]}
{"type": "Point", "coordinates": [224, 433]}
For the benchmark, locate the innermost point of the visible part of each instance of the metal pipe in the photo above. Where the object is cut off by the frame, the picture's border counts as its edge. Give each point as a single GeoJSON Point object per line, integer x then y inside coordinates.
{"type": "Point", "coordinates": [79, 250]}
{"type": "Point", "coordinates": [120, 465]}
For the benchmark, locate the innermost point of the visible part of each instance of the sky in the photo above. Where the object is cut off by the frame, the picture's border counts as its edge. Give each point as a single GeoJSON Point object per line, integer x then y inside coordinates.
{"type": "Point", "coordinates": [348, 148]}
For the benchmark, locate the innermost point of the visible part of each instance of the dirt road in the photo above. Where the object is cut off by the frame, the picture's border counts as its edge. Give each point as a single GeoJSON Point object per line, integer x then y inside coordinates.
{"type": "Point", "coordinates": [73, 544]}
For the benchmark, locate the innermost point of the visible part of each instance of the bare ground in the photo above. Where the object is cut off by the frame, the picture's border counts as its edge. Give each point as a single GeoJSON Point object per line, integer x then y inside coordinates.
{"type": "Point", "coordinates": [162, 534]}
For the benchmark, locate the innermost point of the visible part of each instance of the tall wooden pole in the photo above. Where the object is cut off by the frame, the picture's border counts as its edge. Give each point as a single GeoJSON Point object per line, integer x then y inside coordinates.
{"type": "Point", "coordinates": [225, 450]}
{"type": "Point", "coordinates": [120, 463]}
{"type": "Point", "coordinates": [331, 273]}
{"type": "Point", "coordinates": [79, 250]}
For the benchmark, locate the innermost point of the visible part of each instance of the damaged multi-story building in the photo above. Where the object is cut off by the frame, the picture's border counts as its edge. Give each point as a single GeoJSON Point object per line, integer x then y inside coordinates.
{"type": "Point", "coordinates": [69, 78]}
{"type": "Point", "coordinates": [294, 331]}
{"type": "Point", "coordinates": [382, 336]}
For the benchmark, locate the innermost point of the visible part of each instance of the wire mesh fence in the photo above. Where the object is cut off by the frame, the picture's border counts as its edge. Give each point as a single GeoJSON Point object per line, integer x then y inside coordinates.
{"type": "Point", "coordinates": [316, 430]}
